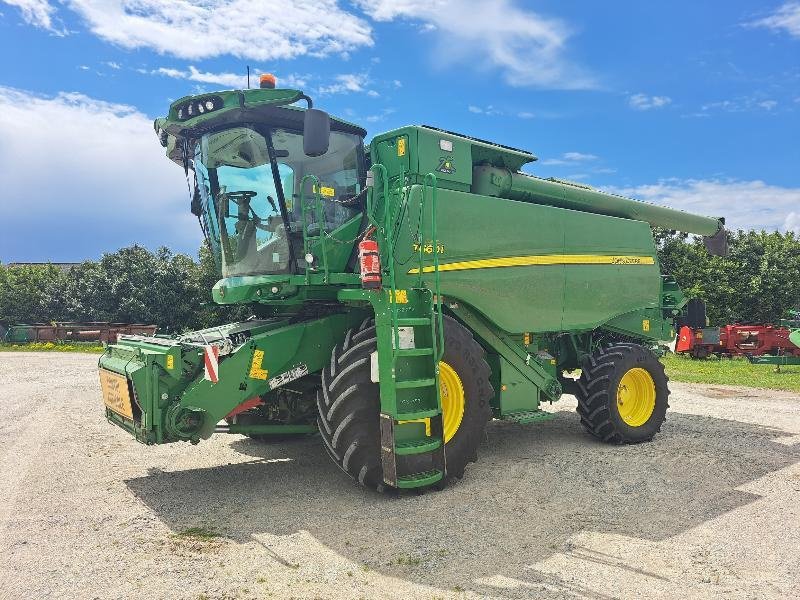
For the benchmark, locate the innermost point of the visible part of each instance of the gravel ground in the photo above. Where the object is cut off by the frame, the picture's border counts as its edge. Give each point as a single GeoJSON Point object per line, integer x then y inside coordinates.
{"type": "Point", "coordinates": [709, 509]}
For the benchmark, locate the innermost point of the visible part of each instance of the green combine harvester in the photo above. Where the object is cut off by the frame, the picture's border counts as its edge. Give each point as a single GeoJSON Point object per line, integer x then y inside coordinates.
{"type": "Point", "coordinates": [404, 293]}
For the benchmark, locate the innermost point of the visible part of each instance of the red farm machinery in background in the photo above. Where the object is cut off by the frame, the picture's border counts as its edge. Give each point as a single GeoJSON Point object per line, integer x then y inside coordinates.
{"type": "Point", "coordinates": [736, 340]}
{"type": "Point", "coordinates": [760, 343]}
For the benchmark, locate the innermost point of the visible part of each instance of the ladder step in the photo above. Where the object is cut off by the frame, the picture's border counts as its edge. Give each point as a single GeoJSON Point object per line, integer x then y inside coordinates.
{"type": "Point", "coordinates": [415, 383]}
{"type": "Point", "coordinates": [413, 321]}
{"type": "Point", "coordinates": [529, 416]}
{"type": "Point", "coordinates": [414, 352]}
{"type": "Point", "coordinates": [405, 448]}
{"type": "Point", "coordinates": [415, 416]}
{"type": "Point", "coordinates": [419, 479]}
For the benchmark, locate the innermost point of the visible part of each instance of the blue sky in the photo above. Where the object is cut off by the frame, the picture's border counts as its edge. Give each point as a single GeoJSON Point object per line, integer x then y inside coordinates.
{"type": "Point", "coordinates": [693, 105]}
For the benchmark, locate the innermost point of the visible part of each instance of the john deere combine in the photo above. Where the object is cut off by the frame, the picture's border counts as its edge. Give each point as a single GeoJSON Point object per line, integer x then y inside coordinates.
{"type": "Point", "coordinates": [404, 293]}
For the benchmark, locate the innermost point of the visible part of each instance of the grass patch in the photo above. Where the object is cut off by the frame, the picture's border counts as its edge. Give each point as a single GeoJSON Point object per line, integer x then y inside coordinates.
{"type": "Point", "coordinates": [735, 371]}
{"type": "Point", "coordinates": [84, 347]}
{"type": "Point", "coordinates": [407, 560]}
{"type": "Point", "coordinates": [198, 533]}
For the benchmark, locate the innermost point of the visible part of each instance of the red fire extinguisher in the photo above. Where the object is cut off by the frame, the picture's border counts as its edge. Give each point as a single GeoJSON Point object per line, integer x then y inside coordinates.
{"type": "Point", "coordinates": [370, 264]}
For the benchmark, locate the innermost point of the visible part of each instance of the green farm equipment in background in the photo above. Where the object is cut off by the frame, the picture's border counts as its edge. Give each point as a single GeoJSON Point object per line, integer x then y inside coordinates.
{"type": "Point", "coordinates": [789, 353]}
{"type": "Point", "coordinates": [792, 321]}
{"type": "Point", "coordinates": [404, 293]}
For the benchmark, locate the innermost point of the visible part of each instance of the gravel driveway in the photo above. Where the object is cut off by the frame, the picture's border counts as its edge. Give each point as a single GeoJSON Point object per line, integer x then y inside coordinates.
{"type": "Point", "coordinates": [711, 508]}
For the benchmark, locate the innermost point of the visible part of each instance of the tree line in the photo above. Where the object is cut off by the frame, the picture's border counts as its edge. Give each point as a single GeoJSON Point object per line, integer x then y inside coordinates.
{"type": "Point", "coordinates": [132, 285]}
{"type": "Point", "coordinates": [758, 281]}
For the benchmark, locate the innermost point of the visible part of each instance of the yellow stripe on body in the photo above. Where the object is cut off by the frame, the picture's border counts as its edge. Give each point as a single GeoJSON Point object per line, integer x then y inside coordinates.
{"type": "Point", "coordinates": [541, 259]}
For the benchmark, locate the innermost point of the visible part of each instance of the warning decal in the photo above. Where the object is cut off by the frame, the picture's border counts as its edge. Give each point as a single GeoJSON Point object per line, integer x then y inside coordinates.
{"type": "Point", "coordinates": [256, 372]}
{"type": "Point", "coordinates": [290, 375]}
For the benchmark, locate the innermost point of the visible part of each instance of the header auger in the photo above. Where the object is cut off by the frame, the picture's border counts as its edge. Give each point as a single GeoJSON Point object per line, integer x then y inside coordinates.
{"type": "Point", "coordinates": [404, 293]}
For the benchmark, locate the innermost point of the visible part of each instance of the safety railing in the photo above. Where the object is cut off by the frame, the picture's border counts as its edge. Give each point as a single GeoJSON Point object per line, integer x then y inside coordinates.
{"type": "Point", "coordinates": [438, 348]}
{"type": "Point", "coordinates": [386, 232]}
{"type": "Point", "coordinates": [319, 213]}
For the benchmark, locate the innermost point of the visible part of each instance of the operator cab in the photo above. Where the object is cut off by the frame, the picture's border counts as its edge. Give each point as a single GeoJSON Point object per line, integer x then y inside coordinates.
{"type": "Point", "coordinates": [250, 179]}
{"type": "Point", "coordinates": [257, 158]}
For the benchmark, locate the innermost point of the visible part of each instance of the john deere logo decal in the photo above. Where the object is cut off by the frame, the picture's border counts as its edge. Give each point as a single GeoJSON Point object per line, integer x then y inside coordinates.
{"type": "Point", "coordinates": [446, 165]}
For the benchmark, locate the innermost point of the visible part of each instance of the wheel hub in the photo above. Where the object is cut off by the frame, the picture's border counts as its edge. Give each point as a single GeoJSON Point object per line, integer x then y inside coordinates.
{"type": "Point", "coordinates": [636, 397]}
{"type": "Point", "coordinates": [451, 392]}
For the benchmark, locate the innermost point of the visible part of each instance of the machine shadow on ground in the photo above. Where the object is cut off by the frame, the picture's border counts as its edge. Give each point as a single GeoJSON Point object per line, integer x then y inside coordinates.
{"type": "Point", "coordinates": [533, 488]}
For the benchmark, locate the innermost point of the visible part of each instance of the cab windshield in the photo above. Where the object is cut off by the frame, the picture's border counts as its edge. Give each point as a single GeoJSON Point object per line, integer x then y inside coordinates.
{"type": "Point", "coordinates": [249, 179]}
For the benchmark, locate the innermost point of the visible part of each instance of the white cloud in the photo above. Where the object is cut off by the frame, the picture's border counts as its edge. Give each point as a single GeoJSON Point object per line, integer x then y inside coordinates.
{"type": "Point", "coordinates": [645, 102]}
{"type": "Point", "coordinates": [380, 116]}
{"type": "Point", "coordinates": [114, 65]}
{"type": "Point", "coordinates": [87, 174]}
{"type": "Point", "coordinates": [527, 48]}
{"type": "Point", "coordinates": [569, 158]}
{"type": "Point", "coordinates": [347, 83]}
{"type": "Point", "coordinates": [36, 12]}
{"type": "Point", "coordinates": [792, 222]}
{"type": "Point", "coordinates": [741, 104]}
{"type": "Point", "coordinates": [490, 110]}
{"type": "Point", "coordinates": [579, 156]}
{"type": "Point", "coordinates": [744, 204]}
{"type": "Point", "coordinates": [786, 18]}
{"type": "Point", "coordinates": [197, 29]}
{"type": "Point", "coordinates": [227, 80]}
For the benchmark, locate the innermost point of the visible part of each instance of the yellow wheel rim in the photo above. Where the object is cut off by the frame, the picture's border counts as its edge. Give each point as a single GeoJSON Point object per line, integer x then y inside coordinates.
{"type": "Point", "coordinates": [451, 391]}
{"type": "Point", "coordinates": [636, 397]}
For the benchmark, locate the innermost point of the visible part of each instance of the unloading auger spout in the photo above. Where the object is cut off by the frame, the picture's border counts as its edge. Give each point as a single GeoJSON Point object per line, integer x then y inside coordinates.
{"type": "Point", "coordinates": [503, 183]}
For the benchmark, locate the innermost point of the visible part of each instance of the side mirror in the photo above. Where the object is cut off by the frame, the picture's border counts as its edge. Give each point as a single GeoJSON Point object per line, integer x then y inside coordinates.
{"type": "Point", "coordinates": [316, 132]}
{"type": "Point", "coordinates": [196, 207]}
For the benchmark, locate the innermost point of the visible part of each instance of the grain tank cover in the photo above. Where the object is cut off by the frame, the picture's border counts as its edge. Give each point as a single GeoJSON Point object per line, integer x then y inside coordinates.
{"type": "Point", "coordinates": [490, 153]}
{"type": "Point", "coordinates": [418, 150]}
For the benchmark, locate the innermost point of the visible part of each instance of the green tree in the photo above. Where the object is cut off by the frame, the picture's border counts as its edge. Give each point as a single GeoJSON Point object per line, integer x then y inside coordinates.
{"type": "Point", "coordinates": [31, 293]}
{"type": "Point", "coordinates": [758, 281]}
{"type": "Point", "coordinates": [210, 313]}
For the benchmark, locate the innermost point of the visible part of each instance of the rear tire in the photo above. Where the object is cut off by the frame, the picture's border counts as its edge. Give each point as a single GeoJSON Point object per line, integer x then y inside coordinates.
{"type": "Point", "coordinates": [349, 406]}
{"type": "Point", "coordinates": [623, 394]}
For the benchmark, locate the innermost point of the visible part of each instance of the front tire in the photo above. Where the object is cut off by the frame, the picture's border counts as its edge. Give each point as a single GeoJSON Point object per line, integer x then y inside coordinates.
{"type": "Point", "coordinates": [623, 394]}
{"type": "Point", "coordinates": [349, 405]}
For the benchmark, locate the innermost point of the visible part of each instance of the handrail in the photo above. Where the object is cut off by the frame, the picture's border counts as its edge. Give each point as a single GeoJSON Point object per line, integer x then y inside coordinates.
{"type": "Point", "coordinates": [389, 235]}
{"type": "Point", "coordinates": [385, 232]}
{"type": "Point", "coordinates": [438, 351]}
{"type": "Point", "coordinates": [429, 193]}
{"type": "Point", "coordinates": [318, 210]}
{"type": "Point", "coordinates": [371, 194]}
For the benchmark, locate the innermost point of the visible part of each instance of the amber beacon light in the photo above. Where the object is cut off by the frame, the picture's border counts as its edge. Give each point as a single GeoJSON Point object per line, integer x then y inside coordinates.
{"type": "Point", "coordinates": [267, 80]}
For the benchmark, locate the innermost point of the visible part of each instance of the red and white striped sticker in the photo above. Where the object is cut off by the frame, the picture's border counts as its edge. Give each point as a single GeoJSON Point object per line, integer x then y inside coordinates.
{"type": "Point", "coordinates": [211, 353]}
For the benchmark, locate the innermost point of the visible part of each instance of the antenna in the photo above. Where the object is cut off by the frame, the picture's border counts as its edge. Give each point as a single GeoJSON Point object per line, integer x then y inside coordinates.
{"type": "Point", "coordinates": [248, 77]}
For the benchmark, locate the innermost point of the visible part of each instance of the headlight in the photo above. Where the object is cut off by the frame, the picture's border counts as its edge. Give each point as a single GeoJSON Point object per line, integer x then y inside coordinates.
{"type": "Point", "coordinates": [198, 106]}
